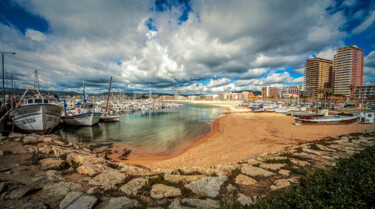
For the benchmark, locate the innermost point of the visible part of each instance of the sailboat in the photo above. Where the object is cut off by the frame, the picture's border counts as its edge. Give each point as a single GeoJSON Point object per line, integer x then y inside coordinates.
{"type": "Point", "coordinates": [84, 114]}
{"type": "Point", "coordinates": [109, 115]}
{"type": "Point", "coordinates": [36, 114]}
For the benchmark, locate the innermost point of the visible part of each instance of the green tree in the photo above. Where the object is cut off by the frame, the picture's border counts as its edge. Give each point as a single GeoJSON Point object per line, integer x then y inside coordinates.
{"type": "Point", "coordinates": [351, 87]}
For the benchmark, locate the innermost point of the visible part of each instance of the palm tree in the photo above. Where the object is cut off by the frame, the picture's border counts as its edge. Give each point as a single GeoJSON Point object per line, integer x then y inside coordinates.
{"type": "Point", "coordinates": [329, 91]}
{"type": "Point", "coordinates": [351, 87]}
{"type": "Point", "coordinates": [320, 91]}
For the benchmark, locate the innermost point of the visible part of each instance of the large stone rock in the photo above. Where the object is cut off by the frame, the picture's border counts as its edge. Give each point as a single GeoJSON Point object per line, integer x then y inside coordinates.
{"type": "Point", "coordinates": [29, 139]}
{"type": "Point", "coordinates": [53, 175]}
{"type": "Point", "coordinates": [2, 187]}
{"type": "Point", "coordinates": [208, 186]}
{"type": "Point", "coordinates": [84, 159]}
{"type": "Point", "coordinates": [253, 162]}
{"type": "Point", "coordinates": [299, 162]}
{"type": "Point", "coordinates": [284, 172]}
{"type": "Point", "coordinates": [13, 136]}
{"type": "Point", "coordinates": [281, 183]}
{"type": "Point", "coordinates": [121, 202]}
{"type": "Point", "coordinates": [228, 168]}
{"type": "Point", "coordinates": [255, 171]}
{"type": "Point", "coordinates": [93, 169]}
{"type": "Point", "coordinates": [160, 191]}
{"type": "Point", "coordinates": [199, 203]}
{"type": "Point", "coordinates": [35, 205]}
{"type": "Point", "coordinates": [19, 193]}
{"type": "Point", "coordinates": [244, 200]}
{"type": "Point", "coordinates": [324, 148]}
{"type": "Point", "coordinates": [133, 186]}
{"type": "Point", "coordinates": [46, 139]}
{"type": "Point", "coordinates": [201, 170]}
{"type": "Point", "coordinates": [75, 200]}
{"type": "Point", "coordinates": [30, 148]}
{"type": "Point", "coordinates": [273, 158]}
{"type": "Point", "coordinates": [58, 142]}
{"type": "Point", "coordinates": [245, 180]}
{"type": "Point", "coordinates": [62, 188]}
{"type": "Point", "coordinates": [176, 204]}
{"type": "Point", "coordinates": [108, 180]}
{"type": "Point", "coordinates": [52, 163]}
{"type": "Point", "coordinates": [61, 151]}
{"type": "Point", "coordinates": [305, 156]}
{"type": "Point", "coordinates": [182, 178]}
{"type": "Point", "coordinates": [311, 151]}
{"type": "Point", "coordinates": [272, 166]}
{"type": "Point", "coordinates": [134, 170]}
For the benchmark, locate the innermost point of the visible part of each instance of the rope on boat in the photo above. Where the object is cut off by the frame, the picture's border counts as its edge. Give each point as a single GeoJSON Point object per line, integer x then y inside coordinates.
{"type": "Point", "coordinates": [57, 116]}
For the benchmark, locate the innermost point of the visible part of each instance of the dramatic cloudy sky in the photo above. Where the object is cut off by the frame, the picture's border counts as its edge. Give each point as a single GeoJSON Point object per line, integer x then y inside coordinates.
{"type": "Point", "coordinates": [198, 46]}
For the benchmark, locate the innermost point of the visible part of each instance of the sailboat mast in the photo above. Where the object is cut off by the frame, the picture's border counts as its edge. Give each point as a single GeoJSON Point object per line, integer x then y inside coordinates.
{"type": "Point", "coordinates": [109, 92]}
{"type": "Point", "coordinates": [84, 93]}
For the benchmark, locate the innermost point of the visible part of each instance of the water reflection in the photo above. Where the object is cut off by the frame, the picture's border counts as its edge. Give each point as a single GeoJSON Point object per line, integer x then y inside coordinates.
{"type": "Point", "coordinates": [159, 130]}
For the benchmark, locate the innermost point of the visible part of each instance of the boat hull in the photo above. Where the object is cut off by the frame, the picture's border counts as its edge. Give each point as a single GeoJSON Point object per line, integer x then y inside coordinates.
{"type": "Point", "coordinates": [37, 118]}
{"type": "Point", "coordinates": [87, 119]}
{"type": "Point", "coordinates": [110, 118]}
{"type": "Point", "coordinates": [338, 121]}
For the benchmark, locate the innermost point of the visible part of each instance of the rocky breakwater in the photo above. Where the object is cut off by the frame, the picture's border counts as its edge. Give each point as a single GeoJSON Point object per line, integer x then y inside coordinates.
{"type": "Point", "coordinates": [50, 172]}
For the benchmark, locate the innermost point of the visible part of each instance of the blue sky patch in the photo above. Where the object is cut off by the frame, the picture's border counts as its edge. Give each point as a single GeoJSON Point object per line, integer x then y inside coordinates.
{"type": "Point", "coordinates": [150, 26]}
{"type": "Point", "coordinates": [164, 5]}
{"type": "Point", "coordinates": [12, 14]}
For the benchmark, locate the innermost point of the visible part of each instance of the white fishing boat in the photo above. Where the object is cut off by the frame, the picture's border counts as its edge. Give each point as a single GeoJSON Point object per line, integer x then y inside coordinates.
{"type": "Point", "coordinates": [332, 120]}
{"type": "Point", "coordinates": [110, 117]}
{"type": "Point", "coordinates": [36, 114]}
{"type": "Point", "coordinates": [84, 114]}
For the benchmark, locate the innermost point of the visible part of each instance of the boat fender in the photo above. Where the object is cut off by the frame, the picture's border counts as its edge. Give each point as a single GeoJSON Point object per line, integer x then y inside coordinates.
{"type": "Point", "coordinates": [79, 110]}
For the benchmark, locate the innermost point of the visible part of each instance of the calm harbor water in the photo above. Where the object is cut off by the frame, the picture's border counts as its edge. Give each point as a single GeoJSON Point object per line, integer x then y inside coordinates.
{"type": "Point", "coordinates": [160, 131]}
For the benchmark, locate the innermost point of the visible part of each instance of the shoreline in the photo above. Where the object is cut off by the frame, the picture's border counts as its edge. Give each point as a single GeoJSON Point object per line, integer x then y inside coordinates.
{"type": "Point", "coordinates": [237, 136]}
{"type": "Point", "coordinates": [135, 159]}
{"type": "Point", "coordinates": [47, 171]}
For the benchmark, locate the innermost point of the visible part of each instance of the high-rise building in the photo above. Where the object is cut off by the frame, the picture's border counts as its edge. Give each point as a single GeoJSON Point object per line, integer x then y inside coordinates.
{"type": "Point", "coordinates": [365, 92]}
{"type": "Point", "coordinates": [318, 75]}
{"type": "Point", "coordinates": [176, 93]}
{"type": "Point", "coordinates": [348, 69]}
{"type": "Point", "coordinates": [288, 91]}
{"type": "Point", "coordinates": [269, 92]}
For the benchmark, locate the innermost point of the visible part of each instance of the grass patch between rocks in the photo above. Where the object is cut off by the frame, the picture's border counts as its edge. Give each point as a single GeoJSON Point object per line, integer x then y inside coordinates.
{"type": "Point", "coordinates": [351, 184]}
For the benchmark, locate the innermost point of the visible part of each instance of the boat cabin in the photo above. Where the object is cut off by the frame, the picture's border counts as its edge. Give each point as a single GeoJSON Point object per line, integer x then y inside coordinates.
{"type": "Point", "coordinates": [84, 105]}
{"type": "Point", "coordinates": [84, 108]}
{"type": "Point", "coordinates": [30, 101]}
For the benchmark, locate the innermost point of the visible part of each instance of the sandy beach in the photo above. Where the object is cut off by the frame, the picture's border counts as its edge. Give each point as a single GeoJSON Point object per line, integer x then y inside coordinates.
{"type": "Point", "coordinates": [240, 135]}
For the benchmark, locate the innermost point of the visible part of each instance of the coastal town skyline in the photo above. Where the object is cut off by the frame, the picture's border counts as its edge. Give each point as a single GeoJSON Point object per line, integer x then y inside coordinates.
{"type": "Point", "coordinates": [193, 46]}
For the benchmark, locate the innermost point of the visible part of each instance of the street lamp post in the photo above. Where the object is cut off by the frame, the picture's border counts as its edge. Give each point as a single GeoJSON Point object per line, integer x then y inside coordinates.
{"type": "Point", "coordinates": [2, 56]}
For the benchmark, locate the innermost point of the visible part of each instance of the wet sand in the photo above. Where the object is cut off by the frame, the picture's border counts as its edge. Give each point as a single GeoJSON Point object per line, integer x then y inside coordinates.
{"type": "Point", "coordinates": [240, 135]}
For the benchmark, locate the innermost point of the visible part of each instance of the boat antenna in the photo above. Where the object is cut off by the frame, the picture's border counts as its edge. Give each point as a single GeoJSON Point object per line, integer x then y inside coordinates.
{"type": "Point", "coordinates": [36, 80]}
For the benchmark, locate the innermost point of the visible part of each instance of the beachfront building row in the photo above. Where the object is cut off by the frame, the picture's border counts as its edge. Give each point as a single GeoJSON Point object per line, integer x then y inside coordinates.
{"type": "Point", "coordinates": [291, 91]}
{"type": "Point", "coordinates": [270, 92]}
{"type": "Point", "coordinates": [236, 96]}
{"type": "Point", "coordinates": [339, 75]}
{"type": "Point", "coordinates": [365, 92]}
{"type": "Point", "coordinates": [318, 75]}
